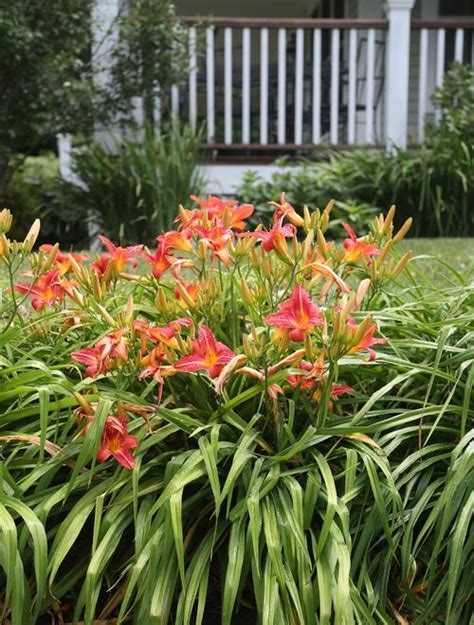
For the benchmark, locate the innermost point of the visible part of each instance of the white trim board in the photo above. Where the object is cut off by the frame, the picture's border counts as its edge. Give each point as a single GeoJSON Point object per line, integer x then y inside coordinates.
{"type": "Point", "coordinates": [225, 179]}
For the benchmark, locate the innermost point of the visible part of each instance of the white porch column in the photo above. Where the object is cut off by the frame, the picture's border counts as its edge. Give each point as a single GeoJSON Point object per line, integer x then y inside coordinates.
{"type": "Point", "coordinates": [397, 71]}
{"type": "Point", "coordinates": [104, 14]}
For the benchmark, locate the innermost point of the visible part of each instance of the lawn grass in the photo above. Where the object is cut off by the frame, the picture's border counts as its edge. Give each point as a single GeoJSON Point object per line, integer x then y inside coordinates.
{"type": "Point", "coordinates": [431, 255]}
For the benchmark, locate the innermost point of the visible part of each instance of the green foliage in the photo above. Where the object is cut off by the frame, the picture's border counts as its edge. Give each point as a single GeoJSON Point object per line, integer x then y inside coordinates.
{"type": "Point", "coordinates": [133, 186]}
{"type": "Point", "coordinates": [241, 509]}
{"type": "Point", "coordinates": [44, 71]}
{"type": "Point", "coordinates": [151, 53]}
{"type": "Point", "coordinates": [434, 183]}
{"type": "Point", "coordinates": [36, 190]}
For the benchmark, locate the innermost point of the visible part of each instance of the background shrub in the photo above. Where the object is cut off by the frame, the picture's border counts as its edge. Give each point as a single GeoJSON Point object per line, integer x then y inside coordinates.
{"type": "Point", "coordinates": [133, 187]}
{"type": "Point", "coordinates": [434, 182]}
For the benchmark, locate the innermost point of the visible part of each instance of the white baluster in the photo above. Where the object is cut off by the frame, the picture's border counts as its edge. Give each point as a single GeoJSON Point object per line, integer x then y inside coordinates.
{"type": "Point", "coordinates": [351, 94]}
{"type": "Point", "coordinates": [459, 45]}
{"type": "Point", "coordinates": [334, 119]}
{"type": "Point", "coordinates": [228, 86]}
{"type": "Point", "coordinates": [422, 95]}
{"type": "Point", "coordinates": [210, 90]}
{"type": "Point", "coordinates": [317, 85]}
{"type": "Point", "coordinates": [264, 86]}
{"type": "Point", "coordinates": [440, 48]}
{"type": "Point", "coordinates": [246, 85]}
{"type": "Point", "coordinates": [299, 83]}
{"type": "Point", "coordinates": [369, 93]}
{"type": "Point", "coordinates": [175, 100]}
{"type": "Point", "coordinates": [281, 85]}
{"type": "Point", "coordinates": [192, 78]}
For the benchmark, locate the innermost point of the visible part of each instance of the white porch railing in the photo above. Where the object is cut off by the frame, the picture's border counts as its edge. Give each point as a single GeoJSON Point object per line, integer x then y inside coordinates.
{"type": "Point", "coordinates": [290, 84]}
{"type": "Point", "coordinates": [275, 84]}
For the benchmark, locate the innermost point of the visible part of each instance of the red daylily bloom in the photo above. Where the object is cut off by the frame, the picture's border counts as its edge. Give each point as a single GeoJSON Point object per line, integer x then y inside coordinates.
{"type": "Point", "coordinates": [94, 359]}
{"type": "Point", "coordinates": [208, 354]}
{"type": "Point", "coordinates": [336, 391]}
{"type": "Point", "coordinates": [155, 367]}
{"type": "Point", "coordinates": [46, 290]}
{"type": "Point", "coordinates": [297, 314]}
{"type": "Point", "coordinates": [114, 345]}
{"type": "Point", "coordinates": [273, 238]}
{"type": "Point", "coordinates": [117, 442]}
{"type": "Point", "coordinates": [161, 260]}
{"type": "Point", "coordinates": [357, 248]}
{"type": "Point", "coordinates": [101, 264]}
{"type": "Point", "coordinates": [120, 256]}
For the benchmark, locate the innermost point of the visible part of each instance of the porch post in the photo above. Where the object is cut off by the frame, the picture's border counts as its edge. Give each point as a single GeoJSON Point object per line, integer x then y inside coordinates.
{"type": "Point", "coordinates": [397, 71]}
{"type": "Point", "coordinates": [104, 14]}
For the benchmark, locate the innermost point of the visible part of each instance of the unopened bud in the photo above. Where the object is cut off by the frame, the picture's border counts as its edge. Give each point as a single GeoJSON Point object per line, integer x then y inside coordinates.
{"type": "Point", "coordinates": [246, 294]}
{"type": "Point", "coordinates": [403, 230]}
{"type": "Point", "coordinates": [4, 246]}
{"type": "Point", "coordinates": [323, 248]}
{"type": "Point", "coordinates": [401, 264]}
{"type": "Point", "coordinates": [389, 220]}
{"type": "Point", "coordinates": [32, 235]}
{"type": "Point", "coordinates": [5, 220]}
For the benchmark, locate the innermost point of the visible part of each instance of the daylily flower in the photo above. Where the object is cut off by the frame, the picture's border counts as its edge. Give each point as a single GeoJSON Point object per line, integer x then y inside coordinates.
{"type": "Point", "coordinates": [273, 238]}
{"type": "Point", "coordinates": [217, 239]}
{"type": "Point", "coordinates": [117, 442]}
{"type": "Point", "coordinates": [297, 314]}
{"type": "Point", "coordinates": [367, 339]}
{"type": "Point", "coordinates": [46, 290]}
{"type": "Point", "coordinates": [101, 264]}
{"type": "Point", "coordinates": [62, 260]}
{"type": "Point", "coordinates": [162, 334]}
{"type": "Point", "coordinates": [175, 240]}
{"type": "Point", "coordinates": [156, 367]}
{"type": "Point", "coordinates": [285, 209]}
{"type": "Point", "coordinates": [357, 248]}
{"type": "Point", "coordinates": [208, 354]}
{"type": "Point", "coordinates": [161, 260]}
{"type": "Point", "coordinates": [94, 359]}
{"type": "Point", "coordinates": [114, 345]}
{"type": "Point", "coordinates": [213, 206]}
{"type": "Point", "coordinates": [120, 256]}
{"type": "Point", "coordinates": [336, 391]}
{"type": "Point", "coordinates": [187, 294]}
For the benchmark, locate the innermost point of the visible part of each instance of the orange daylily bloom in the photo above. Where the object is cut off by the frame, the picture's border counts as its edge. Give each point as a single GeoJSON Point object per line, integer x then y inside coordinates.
{"type": "Point", "coordinates": [285, 209]}
{"type": "Point", "coordinates": [357, 248]}
{"type": "Point", "coordinates": [120, 256]}
{"type": "Point", "coordinates": [273, 238]}
{"type": "Point", "coordinates": [297, 314]}
{"type": "Point", "coordinates": [208, 354]}
{"type": "Point", "coordinates": [62, 260]}
{"type": "Point", "coordinates": [175, 240]}
{"type": "Point", "coordinates": [367, 340]}
{"type": "Point", "coordinates": [217, 239]}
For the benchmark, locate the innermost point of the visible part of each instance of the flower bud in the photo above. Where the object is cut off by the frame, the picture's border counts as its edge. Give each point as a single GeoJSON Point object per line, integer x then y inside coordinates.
{"type": "Point", "coordinates": [4, 246]}
{"type": "Point", "coordinates": [5, 220]}
{"type": "Point", "coordinates": [403, 230]}
{"type": "Point", "coordinates": [246, 294]}
{"type": "Point", "coordinates": [32, 235]}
